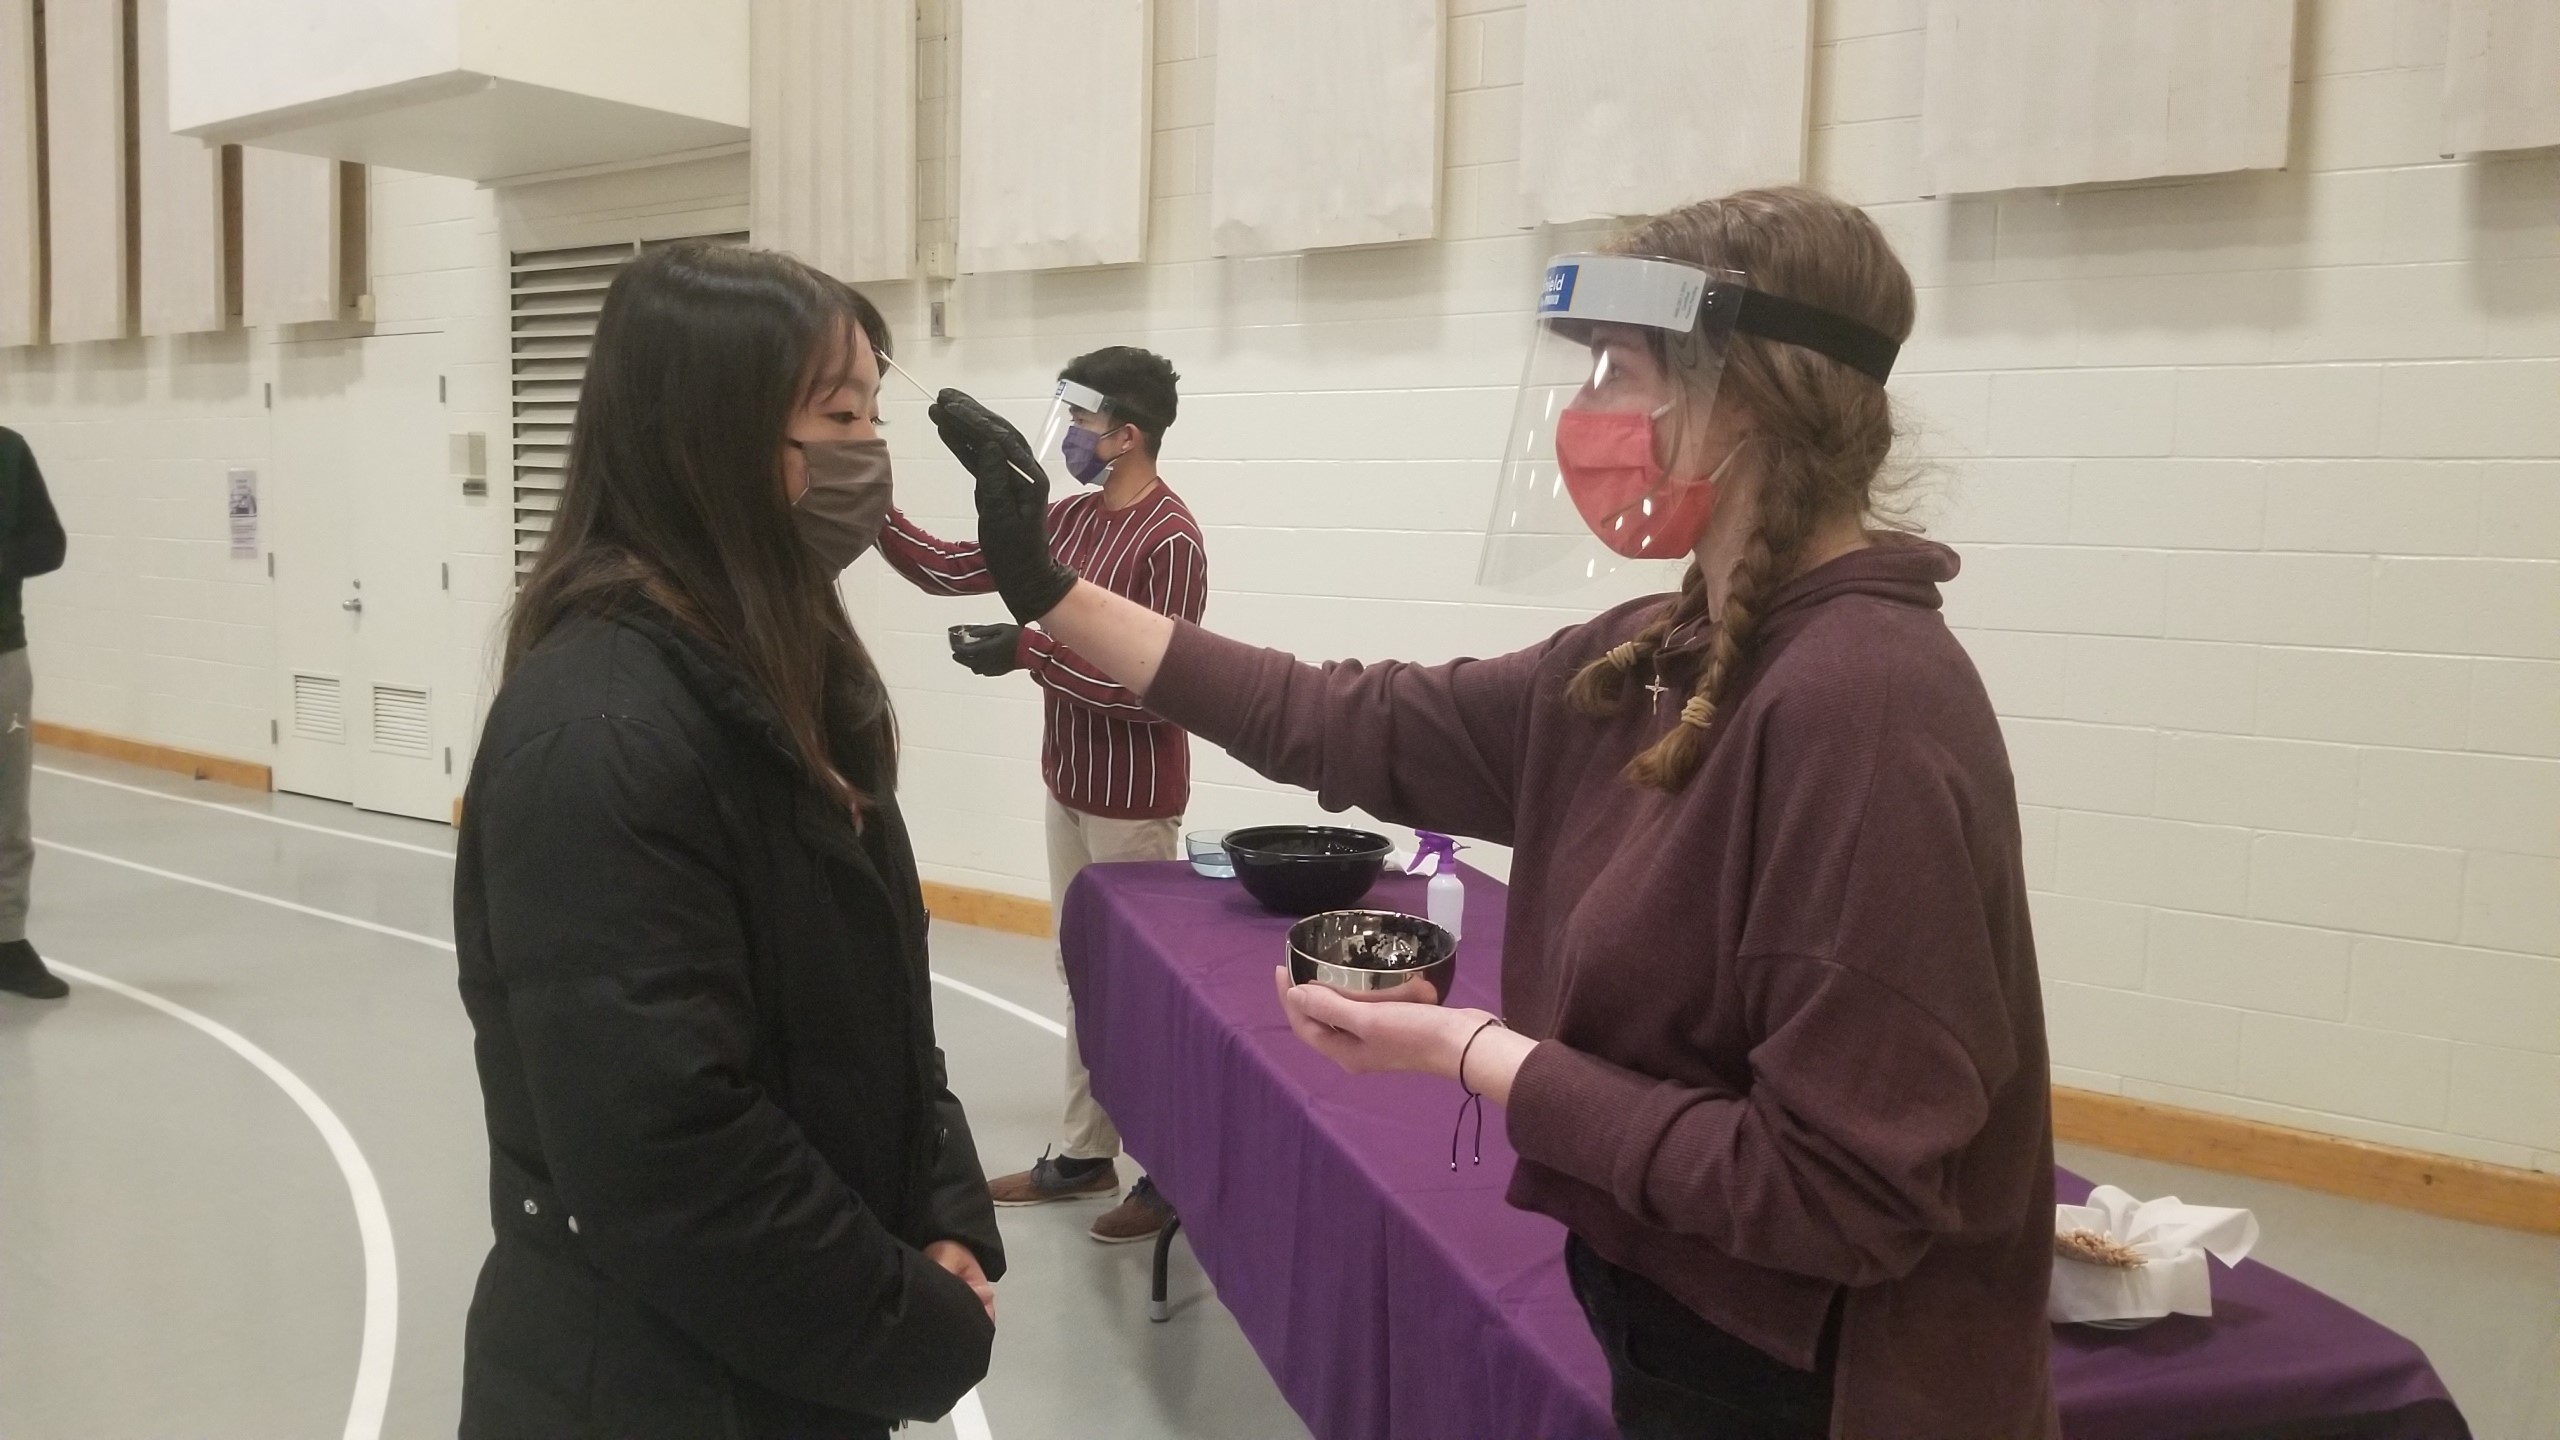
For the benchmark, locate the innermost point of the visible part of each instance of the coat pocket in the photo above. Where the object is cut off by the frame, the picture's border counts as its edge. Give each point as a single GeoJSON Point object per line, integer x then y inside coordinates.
{"type": "Point", "coordinates": [529, 1346]}
{"type": "Point", "coordinates": [652, 1382]}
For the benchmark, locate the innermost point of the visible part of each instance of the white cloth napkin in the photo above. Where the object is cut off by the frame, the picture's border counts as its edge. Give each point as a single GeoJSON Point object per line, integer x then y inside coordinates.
{"type": "Point", "coordinates": [2172, 1237]}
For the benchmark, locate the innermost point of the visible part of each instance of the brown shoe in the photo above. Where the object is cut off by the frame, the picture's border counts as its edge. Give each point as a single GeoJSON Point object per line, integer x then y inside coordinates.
{"type": "Point", "coordinates": [1056, 1178]}
{"type": "Point", "coordinates": [1142, 1216]}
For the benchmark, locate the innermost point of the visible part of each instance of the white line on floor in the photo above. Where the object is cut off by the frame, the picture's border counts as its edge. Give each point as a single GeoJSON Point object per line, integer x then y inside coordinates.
{"type": "Point", "coordinates": [968, 1419]}
{"type": "Point", "coordinates": [972, 991]}
{"type": "Point", "coordinates": [246, 814]}
{"type": "Point", "coordinates": [393, 931]}
{"type": "Point", "coordinates": [1001, 1003]}
{"type": "Point", "coordinates": [1019, 1012]}
{"type": "Point", "coordinates": [374, 1354]}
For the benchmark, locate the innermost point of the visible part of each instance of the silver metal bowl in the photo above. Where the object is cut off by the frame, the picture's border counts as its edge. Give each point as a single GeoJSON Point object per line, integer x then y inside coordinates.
{"type": "Point", "coordinates": [1363, 950]}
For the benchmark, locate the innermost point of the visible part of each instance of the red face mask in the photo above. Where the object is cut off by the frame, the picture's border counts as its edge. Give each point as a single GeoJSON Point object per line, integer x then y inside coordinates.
{"type": "Point", "coordinates": [1623, 492]}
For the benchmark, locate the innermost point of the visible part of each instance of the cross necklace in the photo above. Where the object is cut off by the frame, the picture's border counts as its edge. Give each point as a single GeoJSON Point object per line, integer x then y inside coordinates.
{"type": "Point", "coordinates": [1657, 689]}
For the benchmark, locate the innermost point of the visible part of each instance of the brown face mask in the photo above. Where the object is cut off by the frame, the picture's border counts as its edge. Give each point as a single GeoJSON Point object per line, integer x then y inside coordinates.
{"type": "Point", "coordinates": [839, 516]}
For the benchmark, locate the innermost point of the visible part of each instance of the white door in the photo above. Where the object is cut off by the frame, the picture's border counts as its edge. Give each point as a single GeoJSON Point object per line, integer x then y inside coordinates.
{"type": "Point", "coordinates": [359, 523]}
{"type": "Point", "coordinates": [316, 592]}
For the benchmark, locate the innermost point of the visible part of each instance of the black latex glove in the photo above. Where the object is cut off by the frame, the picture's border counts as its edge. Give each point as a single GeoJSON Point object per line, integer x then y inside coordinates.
{"type": "Point", "coordinates": [988, 649]}
{"type": "Point", "coordinates": [1013, 504]}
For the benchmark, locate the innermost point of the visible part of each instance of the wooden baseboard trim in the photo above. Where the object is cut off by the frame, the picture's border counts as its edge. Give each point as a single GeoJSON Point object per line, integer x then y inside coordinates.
{"type": "Point", "coordinates": [243, 773]}
{"type": "Point", "coordinates": [988, 909]}
{"type": "Point", "coordinates": [2441, 1185]}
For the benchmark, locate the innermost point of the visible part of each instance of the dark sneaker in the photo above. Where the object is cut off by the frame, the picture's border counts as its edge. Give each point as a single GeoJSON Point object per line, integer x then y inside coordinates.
{"type": "Point", "coordinates": [23, 973]}
{"type": "Point", "coordinates": [1142, 1216]}
{"type": "Point", "coordinates": [1056, 1178]}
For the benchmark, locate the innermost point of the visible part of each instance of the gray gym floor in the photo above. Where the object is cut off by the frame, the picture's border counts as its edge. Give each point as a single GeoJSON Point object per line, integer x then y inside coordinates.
{"type": "Point", "coordinates": [181, 1252]}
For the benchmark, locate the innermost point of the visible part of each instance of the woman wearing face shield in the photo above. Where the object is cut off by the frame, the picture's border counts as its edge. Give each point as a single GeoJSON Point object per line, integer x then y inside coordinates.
{"type": "Point", "coordinates": [1775, 1050]}
{"type": "Point", "coordinates": [731, 1190]}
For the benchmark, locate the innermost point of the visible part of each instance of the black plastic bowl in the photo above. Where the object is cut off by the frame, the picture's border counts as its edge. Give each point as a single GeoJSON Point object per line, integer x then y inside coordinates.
{"type": "Point", "coordinates": [1338, 949]}
{"type": "Point", "coordinates": [1302, 869]}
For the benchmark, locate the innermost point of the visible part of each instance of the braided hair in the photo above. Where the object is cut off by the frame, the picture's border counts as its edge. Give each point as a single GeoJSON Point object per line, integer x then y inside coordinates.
{"type": "Point", "coordinates": [1819, 434]}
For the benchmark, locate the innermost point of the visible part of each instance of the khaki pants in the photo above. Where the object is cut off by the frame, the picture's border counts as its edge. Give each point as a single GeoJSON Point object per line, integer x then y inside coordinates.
{"type": "Point", "coordinates": [1075, 841]}
{"type": "Point", "coordinates": [17, 772]}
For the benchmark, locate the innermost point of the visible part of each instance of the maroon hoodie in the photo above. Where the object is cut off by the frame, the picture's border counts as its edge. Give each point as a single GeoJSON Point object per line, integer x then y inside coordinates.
{"type": "Point", "coordinates": [1791, 1040]}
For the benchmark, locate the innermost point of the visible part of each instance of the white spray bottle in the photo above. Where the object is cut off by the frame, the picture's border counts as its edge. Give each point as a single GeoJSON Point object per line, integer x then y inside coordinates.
{"type": "Point", "coordinates": [1445, 898]}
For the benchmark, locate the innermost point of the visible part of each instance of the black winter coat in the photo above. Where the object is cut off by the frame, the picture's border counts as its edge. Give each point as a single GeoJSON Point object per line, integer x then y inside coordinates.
{"type": "Point", "coordinates": [719, 1128]}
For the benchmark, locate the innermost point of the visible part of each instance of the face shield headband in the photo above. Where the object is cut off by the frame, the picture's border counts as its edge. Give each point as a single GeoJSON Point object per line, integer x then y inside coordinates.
{"type": "Point", "coordinates": [1621, 341]}
{"type": "Point", "coordinates": [1061, 436]}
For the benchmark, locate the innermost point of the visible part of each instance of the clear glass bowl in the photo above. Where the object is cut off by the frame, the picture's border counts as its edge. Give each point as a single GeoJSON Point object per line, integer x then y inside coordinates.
{"type": "Point", "coordinates": [1208, 850]}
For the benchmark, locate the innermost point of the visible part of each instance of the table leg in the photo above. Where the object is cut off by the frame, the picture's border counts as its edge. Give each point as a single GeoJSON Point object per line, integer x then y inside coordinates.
{"type": "Point", "coordinates": [1157, 1310]}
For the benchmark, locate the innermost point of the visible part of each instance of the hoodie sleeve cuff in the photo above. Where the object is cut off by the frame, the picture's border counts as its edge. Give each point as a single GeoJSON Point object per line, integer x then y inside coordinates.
{"type": "Point", "coordinates": [1600, 1123]}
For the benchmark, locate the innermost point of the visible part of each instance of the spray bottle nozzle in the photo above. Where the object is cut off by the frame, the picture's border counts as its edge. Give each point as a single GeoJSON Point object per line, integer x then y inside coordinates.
{"type": "Point", "coordinates": [1433, 852]}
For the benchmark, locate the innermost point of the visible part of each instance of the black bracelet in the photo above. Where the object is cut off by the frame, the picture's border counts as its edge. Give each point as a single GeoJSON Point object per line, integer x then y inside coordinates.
{"type": "Point", "coordinates": [1473, 1097]}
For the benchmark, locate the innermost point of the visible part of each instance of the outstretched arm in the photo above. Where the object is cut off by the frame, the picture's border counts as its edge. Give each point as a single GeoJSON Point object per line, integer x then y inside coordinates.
{"type": "Point", "coordinates": [1116, 635]}
{"type": "Point", "coordinates": [934, 565]}
{"type": "Point", "coordinates": [1438, 746]}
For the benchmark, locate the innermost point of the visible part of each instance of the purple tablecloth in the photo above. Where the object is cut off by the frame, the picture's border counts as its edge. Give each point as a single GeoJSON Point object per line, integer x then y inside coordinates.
{"type": "Point", "coordinates": [1392, 1298]}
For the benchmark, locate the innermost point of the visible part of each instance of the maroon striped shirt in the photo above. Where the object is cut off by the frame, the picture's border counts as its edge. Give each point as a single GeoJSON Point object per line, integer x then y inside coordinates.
{"type": "Point", "coordinates": [1101, 750]}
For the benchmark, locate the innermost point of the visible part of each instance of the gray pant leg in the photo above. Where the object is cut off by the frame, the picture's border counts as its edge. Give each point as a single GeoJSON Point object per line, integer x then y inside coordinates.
{"type": "Point", "coordinates": [17, 771]}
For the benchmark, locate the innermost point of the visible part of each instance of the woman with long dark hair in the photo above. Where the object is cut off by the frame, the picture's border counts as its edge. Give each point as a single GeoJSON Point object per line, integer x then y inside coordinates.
{"type": "Point", "coordinates": [1775, 1050]}
{"type": "Point", "coordinates": [731, 1189]}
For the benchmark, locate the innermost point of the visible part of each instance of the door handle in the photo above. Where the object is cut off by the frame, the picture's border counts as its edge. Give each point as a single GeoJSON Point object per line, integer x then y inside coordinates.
{"type": "Point", "coordinates": [354, 606]}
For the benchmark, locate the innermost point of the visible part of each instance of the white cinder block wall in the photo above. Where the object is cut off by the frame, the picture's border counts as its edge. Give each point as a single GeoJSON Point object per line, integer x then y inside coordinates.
{"type": "Point", "coordinates": [151, 630]}
{"type": "Point", "coordinates": [2254, 476]}
{"type": "Point", "coordinates": [1340, 414]}
{"type": "Point", "coordinates": [2256, 485]}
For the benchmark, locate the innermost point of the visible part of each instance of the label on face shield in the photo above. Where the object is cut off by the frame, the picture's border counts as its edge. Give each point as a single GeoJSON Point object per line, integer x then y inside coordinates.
{"type": "Point", "coordinates": [1559, 293]}
{"type": "Point", "coordinates": [1624, 290]}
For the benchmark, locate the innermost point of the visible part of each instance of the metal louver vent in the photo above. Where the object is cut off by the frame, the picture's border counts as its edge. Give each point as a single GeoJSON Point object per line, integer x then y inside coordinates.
{"type": "Point", "coordinates": [319, 708]}
{"type": "Point", "coordinates": [399, 720]}
{"type": "Point", "coordinates": [554, 298]}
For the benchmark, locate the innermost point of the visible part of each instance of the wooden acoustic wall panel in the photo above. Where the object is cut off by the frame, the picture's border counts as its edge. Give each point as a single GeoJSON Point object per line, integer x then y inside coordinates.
{"type": "Point", "coordinates": [85, 156]}
{"type": "Point", "coordinates": [1055, 109]}
{"type": "Point", "coordinates": [2502, 75]}
{"type": "Point", "coordinates": [21, 161]}
{"type": "Point", "coordinates": [1713, 100]}
{"type": "Point", "coordinates": [834, 105]}
{"type": "Point", "coordinates": [2025, 93]}
{"type": "Point", "coordinates": [290, 267]}
{"type": "Point", "coordinates": [1328, 124]}
{"type": "Point", "coordinates": [183, 277]}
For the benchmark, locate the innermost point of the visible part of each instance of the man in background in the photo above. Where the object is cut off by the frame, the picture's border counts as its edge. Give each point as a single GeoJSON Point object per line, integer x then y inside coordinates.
{"type": "Point", "coordinates": [31, 543]}
{"type": "Point", "coordinates": [1118, 777]}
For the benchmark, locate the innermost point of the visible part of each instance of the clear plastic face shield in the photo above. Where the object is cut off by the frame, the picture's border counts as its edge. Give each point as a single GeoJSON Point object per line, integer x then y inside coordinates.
{"type": "Point", "coordinates": [1070, 398]}
{"type": "Point", "coordinates": [1622, 370]}
{"type": "Point", "coordinates": [1608, 458]}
